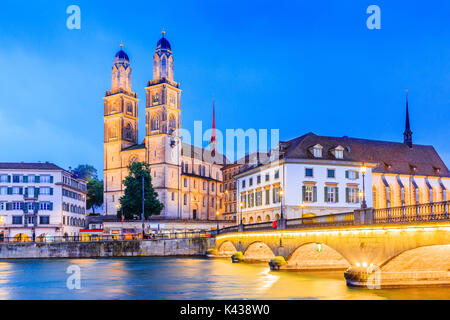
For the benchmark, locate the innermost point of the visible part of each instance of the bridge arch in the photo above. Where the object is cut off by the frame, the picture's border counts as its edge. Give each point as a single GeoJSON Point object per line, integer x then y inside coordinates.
{"type": "Point", "coordinates": [421, 259]}
{"type": "Point", "coordinates": [316, 256]}
{"type": "Point", "coordinates": [258, 251]}
{"type": "Point", "coordinates": [226, 249]}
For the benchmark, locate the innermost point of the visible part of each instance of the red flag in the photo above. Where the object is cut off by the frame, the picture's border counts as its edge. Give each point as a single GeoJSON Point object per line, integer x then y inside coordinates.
{"type": "Point", "coordinates": [122, 217]}
{"type": "Point", "coordinates": [274, 224]}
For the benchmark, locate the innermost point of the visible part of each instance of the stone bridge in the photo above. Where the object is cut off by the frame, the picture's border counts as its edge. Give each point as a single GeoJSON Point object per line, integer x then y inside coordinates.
{"type": "Point", "coordinates": [374, 254]}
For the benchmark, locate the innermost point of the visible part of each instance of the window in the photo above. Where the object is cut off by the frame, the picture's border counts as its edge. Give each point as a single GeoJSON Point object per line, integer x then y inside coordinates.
{"type": "Point", "coordinates": [212, 187]}
{"type": "Point", "coordinates": [44, 220]}
{"type": "Point", "coordinates": [317, 151]}
{"type": "Point", "coordinates": [309, 172]}
{"type": "Point", "coordinates": [309, 193]}
{"type": "Point", "coordinates": [5, 178]}
{"type": "Point", "coordinates": [276, 195]}
{"type": "Point", "coordinates": [17, 220]}
{"type": "Point", "coordinates": [45, 206]}
{"type": "Point", "coordinates": [2, 206]}
{"type": "Point", "coordinates": [267, 196]}
{"type": "Point", "coordinates": [17, 190]}
{"type": "Point", "coordinates": [331, 194]}
{"type": "Point", "coordinates": [267, 177]}
{"type": "Point", "coordinates": [331, 173]}
{"type": "Point", "coordinates": [352, 195]}
{"type": "Point", "coordinates": [185, 183]}
{"type": "Point", "coordinates": [185, 200]}
{"type": "Point", "coordinates": [258, 179]}
{"type": "Point", "coordinates": [243, 183]}
{"type": "Point", "coordinates": [258, 198]}
{"type": "Point", "coordinates": [49, 191]}
{"type": "Point", "coordinates": [3, 190]}
{"type": "Point", "coordinates": [352, 174]}
{"type": "Point", "coordinates": [46, 179]}
{"type": "Point", "coordinates": [17, 178]}
{"type": "Point", "coordinates": [277, 174]}
{"type": "Point", "coordinates": [250, 182]}
{"type": "Point", "coordinates": [338, 152]}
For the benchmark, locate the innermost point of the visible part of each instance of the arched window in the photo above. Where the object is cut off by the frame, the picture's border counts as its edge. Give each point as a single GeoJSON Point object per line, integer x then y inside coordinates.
{"type": "Point", "coordinates": [155, 122]}
{"type": "Point", "coordinates": [133, 160]}
{"type": "Point", "coordinates": [129, 132]}
{"type": "Point", "coordinates": [172, 122]}
{"type": "Point", "coordinates": [129, 108]}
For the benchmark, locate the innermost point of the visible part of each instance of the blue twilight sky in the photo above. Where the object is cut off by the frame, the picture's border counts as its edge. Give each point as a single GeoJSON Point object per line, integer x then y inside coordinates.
{"type": "Point", "coordinates": [297, 66]}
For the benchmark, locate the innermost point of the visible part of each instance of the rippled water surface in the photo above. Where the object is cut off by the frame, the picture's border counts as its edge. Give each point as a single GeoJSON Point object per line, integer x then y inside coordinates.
{"type": "Point", "coordinates": [182, 278]}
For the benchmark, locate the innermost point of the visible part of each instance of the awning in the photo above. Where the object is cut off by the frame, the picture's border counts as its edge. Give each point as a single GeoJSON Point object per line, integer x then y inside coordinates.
{"type": "Point", "coordinates": [386, 184]}
{"type": "Point", "coordinates": [442, 185]}
{"type": "Point", "coordinates": [414, 183]}
{"type": "Point", "coordinates": [428, 184]}
{"type": "Point", "coordinates": [400, 182]}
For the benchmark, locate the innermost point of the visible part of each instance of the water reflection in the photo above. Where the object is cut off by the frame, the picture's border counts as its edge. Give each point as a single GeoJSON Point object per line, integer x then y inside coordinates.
{"type": "Point", "coordinates": [182, 278]}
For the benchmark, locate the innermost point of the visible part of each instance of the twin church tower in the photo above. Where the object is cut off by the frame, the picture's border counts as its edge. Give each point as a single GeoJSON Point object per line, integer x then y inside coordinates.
{"type": "Point", "coordinates": [187, 185]}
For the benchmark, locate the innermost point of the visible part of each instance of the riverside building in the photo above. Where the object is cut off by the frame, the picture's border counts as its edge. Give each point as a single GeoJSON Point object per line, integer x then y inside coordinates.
{"type": "Point", "coordinates": [40, 200]}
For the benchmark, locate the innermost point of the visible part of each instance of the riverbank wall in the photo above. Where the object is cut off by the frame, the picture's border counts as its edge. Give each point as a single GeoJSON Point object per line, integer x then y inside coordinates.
{"type": "Point", "coordinates": [105, 249]}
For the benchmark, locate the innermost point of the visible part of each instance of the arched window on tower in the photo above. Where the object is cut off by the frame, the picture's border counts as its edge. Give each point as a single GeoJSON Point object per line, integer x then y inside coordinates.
{"type": "Point", "coordinates": [129, 108]}
{"type": "Point", "coordinates": [172, 122]}
{"type": "Point", "coordinates": [155, 122]}
{"type": "Point", "coordinates": [129, 132]}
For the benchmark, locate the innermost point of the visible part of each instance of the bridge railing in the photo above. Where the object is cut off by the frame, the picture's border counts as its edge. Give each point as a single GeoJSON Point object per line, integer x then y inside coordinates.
{"type": "Point", "coordinates": [434, 211]}
{"type": "Point", "coordinates": [426, 212]}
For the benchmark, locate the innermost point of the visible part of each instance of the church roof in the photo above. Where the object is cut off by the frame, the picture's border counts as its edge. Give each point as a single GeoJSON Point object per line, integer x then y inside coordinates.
{"type": "Point", "coordinates": [390, 157]}
{"type": "Point", "coordinates": [197, 153]}
{"type": "Point", "coordinates": [163, 43]}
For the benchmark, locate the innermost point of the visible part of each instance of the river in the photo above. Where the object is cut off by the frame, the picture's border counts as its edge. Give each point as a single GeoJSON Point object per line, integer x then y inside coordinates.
{"type": "Point", "coordinates": [181, 278]}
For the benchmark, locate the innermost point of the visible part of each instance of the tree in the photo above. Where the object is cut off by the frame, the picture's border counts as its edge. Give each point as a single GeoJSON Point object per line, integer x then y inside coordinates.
{"type": "Point", "coordinates": [94, 194]}
{"type": "Point", "coordinates": [86, 172]}
{"type": "Point", "coordinates": [131, 201]}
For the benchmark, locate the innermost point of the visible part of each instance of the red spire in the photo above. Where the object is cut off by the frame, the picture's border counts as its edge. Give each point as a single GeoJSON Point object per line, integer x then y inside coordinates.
{"type": "Point", "coordinates": [213, 141]}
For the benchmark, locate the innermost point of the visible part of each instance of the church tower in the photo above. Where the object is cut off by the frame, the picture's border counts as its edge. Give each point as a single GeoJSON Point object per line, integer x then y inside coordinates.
{"type": "Point", "coordinates": [120, 127]}
{"type": "Point", "coordinates": [407, 135]}
{"type": "Point", "coordinates": [163, 118]}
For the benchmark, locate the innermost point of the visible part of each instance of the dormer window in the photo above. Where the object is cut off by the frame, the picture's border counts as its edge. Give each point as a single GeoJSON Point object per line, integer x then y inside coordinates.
{"type": "Point", "coordinates": [387, 165]}
{"type": "Point", "coordinates": [338, 152]}
{"type": "Point", "coordinates": [317, 151]}
{"type": "Point", "coordinates": [413, 168]}
{"type": "Point", "coordinates": [437, 170]}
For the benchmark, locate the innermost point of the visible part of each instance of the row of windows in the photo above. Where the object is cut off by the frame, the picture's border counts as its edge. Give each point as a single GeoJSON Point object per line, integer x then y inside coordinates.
{"type": "Point", "coordinates": [18, 220]}
{"type": "Point", "coordinates": [16, 178]}
{"type": "Point", "coordinates": [253, 199]}
{"type": "Point", "coordinates": [71, 194]}
{"type": "Point", "coordinates": [74, 183]}
{"type": "Point", "coordinates": [72, 208]}
{"type": "Point", "coordinates": [417, 195]}
{"type": "Point", "coordinates": [201, 170]}
{"type": "Point", "coordinates": [331, 173]}
{"type": "Point", "coordinates": [28, 192]}
{"type": "Point", "coordinates": [258, 179]}
{"type": "Point", "coordinates": [70, 221]}
{"type": "Point", "coordinates": [26, 206]}
{"type": "Point", "coordinates": [204, 199]}
{"type": "Point", "coordinates": [205, 185]}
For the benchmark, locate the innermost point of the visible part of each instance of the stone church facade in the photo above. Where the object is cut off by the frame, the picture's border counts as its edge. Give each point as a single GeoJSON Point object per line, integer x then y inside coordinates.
{"type": "Point", "coordinates": [188, 183]}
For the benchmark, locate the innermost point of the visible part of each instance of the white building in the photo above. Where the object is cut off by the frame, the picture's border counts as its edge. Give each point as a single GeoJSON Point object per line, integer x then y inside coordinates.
{"type": "Point", "coordinates": [318, 175]}
{"type": "Point", "coordinates": [302, 187]}
{"type": "Point", "coordinates": [41, 199]}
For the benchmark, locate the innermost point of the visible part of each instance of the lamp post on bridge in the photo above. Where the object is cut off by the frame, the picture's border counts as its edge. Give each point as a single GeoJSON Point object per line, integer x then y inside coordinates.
{"type": "Point", "coordinates": [363, 203]}
{"type": "Point", "coordinates": [217, 220]}
{"type": "Point", "coordinates": [303, 209]}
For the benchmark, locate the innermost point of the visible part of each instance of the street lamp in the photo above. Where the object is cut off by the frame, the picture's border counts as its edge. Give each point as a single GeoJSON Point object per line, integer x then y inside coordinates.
{"type": "Point", "coordinates": [217, 219]}
{"type": "Point", "coordinates": [303, 208]}
{"type": "Point", "coordinates": [241, 205]}
{"type": "Point", "coordinates": [363, 203]}
{"type": "Point", "coordinates": [281, 205]}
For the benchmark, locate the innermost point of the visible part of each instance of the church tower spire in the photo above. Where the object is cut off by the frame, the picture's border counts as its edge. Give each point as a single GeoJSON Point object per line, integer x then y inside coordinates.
{"type": "Point", "coordinates": [407, 135]}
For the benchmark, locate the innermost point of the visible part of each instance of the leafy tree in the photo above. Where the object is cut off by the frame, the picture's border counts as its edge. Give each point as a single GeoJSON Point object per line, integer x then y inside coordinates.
{"type": "Point", "coordinates": [131, 201]}
{"type": "Point", "coordinates": [86, 172]}
{"type": "Point", "coordinates": [94, 194]}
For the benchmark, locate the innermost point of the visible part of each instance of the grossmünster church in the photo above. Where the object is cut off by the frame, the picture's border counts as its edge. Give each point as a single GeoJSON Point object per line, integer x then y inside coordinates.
{"type": "Point", "coordinates": [189, 186]}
